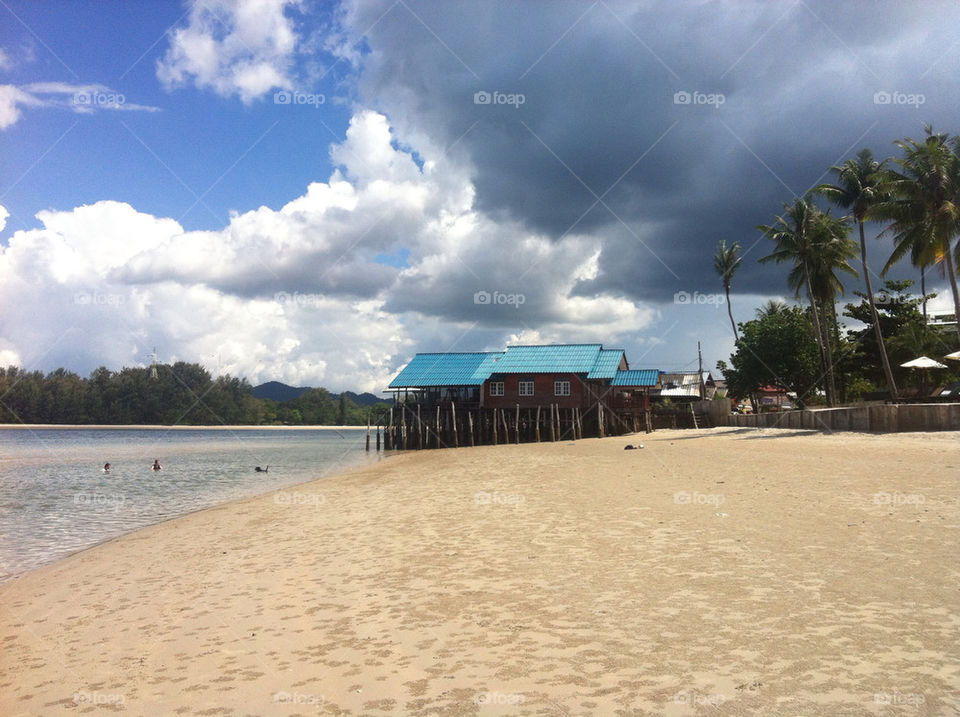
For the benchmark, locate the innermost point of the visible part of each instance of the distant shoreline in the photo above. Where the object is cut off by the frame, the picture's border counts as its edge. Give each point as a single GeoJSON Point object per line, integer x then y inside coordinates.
{"type": "Point", "coordinates": [131, 427]}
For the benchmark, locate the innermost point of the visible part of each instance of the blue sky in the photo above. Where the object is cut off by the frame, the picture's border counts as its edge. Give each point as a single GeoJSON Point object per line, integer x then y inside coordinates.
{"type": "Point", "coordinates": [157, 189]}
{"type": "Point", "coordinates": [230, 155]}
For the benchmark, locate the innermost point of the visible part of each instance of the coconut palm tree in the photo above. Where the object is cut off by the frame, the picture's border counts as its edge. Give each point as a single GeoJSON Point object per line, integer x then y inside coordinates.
{"type": "Point", "coordinates": [857, 189]}
{"type": "Point", "coordinates": [771, 308]}
{"type": "Point", "coordinates": [818, 244]}
{"type": "Point", "coordinates": [726, 262]}
{"type": "Point", "coordinates": [924, 205]}
{"type": "Point", "coordinates": [793, 235]}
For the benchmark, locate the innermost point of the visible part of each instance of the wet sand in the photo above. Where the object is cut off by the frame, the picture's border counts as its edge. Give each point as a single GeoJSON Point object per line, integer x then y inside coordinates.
{"type": "Point", "coordinates": [727, 571]}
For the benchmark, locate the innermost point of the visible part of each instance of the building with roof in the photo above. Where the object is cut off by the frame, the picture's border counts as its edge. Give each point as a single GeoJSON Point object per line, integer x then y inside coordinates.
{"type": "Point", "coordinates": [685, 386]}
{"type": "Point", "coordinates": [565, 375]}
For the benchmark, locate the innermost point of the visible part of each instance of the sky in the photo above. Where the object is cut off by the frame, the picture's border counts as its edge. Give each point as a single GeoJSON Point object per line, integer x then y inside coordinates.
{"type": "Point", "coordinates": [312, 192]}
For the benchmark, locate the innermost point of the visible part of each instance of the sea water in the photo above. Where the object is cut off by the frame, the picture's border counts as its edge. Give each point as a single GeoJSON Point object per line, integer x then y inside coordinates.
{"type": "Point", "coordinates": [55, 498]}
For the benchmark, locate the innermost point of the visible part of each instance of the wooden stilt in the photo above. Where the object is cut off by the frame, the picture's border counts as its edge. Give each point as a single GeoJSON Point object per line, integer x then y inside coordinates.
{"type": "Point", "coordinates": [419, 429]}
{"type": "Point", "coordinates": [516, 424]}
{"type": "Point", "coordinates": [538, 424]}
{"type": "Point", "coordinates": [470, 421]}
{"type": "Point", "coordinates": [368, 435]}
{"type": "Point", "coordinates": [494, 426]}
{"type": "Point", "coordinates": [453, 419]}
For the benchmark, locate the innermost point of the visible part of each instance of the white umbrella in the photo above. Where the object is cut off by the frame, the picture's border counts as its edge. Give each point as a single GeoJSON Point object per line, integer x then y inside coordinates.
{"type": "Point", "coordinates": [923, 362]}
{"type": "Point", "coordinates": [954, 355]}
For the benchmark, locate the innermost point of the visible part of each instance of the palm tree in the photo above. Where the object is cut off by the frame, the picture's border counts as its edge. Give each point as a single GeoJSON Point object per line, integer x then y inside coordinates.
{"type": "Point", "coordinates": [833, 250]}
{"type": "Point", "coordinates": [857, 189]}
{"type": "Point", "coordinates": [817, 244]}
{"type": "Point", "coordinates": [726, 262]}
{"type": "Point", "coordinates": [924, 205]}
{"type": "Point", "coordinates": [771, 308]}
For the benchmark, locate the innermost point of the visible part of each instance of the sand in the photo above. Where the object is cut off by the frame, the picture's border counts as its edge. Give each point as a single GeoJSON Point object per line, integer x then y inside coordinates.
{"type": "Point", "coordinates": [727, 571]}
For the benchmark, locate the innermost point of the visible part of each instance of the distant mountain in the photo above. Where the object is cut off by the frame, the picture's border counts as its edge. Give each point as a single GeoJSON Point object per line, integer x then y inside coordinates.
{"type": "Point", "coordinates": [279, 392]}
{"type": "Point", "coordinates": [364, 399]}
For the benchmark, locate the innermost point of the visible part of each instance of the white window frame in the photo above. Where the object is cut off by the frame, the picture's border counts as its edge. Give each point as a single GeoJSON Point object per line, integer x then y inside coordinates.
{"type": "Point", "coordinates": [561, 387]}
{"type": "Point", "coordinates": [525, 384]}
{"type": "Point", "coordinates": [496, 388]}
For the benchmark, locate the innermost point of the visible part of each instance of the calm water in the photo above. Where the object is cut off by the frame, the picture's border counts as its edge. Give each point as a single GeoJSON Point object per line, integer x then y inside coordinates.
{"type": "Point", "coordinates": [55, 498]}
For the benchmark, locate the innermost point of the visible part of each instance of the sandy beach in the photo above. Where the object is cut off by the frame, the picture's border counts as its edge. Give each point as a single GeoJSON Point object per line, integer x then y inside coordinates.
{"type": "Point", "coordinates": [725, 571]}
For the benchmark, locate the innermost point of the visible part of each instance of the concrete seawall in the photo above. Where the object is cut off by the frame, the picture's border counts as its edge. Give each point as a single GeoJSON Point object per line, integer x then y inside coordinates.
{"type": "Point", "coordinates": [875, 419]}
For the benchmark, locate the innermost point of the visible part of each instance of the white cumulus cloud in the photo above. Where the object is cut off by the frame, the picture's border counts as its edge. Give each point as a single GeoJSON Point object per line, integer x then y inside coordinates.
{"type": "Point", "coordinates": [234, 47]}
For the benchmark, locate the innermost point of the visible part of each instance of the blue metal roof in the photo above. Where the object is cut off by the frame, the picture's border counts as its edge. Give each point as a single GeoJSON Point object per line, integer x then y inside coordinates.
{"type": "Point", "coordinates": [636, 377]}
{"type": "Point", "coordinates": [452, 369]}
{"type": "Point", "coordinates": [557, 358]}
{"type": "Point", "coordinates": [607, 364]}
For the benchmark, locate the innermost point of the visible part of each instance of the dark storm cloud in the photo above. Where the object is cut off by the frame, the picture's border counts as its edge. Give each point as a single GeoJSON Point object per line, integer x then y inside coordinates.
{"type": "Point", "coordinates": [600, 144]}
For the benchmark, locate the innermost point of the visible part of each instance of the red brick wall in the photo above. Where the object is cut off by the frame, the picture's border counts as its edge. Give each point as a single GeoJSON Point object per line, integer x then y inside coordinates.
{"type": "Point", "coordinates": [542, 392]}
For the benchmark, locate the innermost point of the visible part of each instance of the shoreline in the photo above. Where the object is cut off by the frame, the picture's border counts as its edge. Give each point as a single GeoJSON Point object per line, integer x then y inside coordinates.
{"type": "Point", "coordinates": [748, 568]}
{"type": "Point", "coordinates": [369, 462]}
{"type": "Point", "coordinates": [133, 427]}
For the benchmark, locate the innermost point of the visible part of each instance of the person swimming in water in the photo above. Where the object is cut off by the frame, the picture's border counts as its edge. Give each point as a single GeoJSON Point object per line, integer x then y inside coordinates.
{"type": "Point", "coordinates": [156, 465]}
{"type": "Point", "coordinates": [106, 467]}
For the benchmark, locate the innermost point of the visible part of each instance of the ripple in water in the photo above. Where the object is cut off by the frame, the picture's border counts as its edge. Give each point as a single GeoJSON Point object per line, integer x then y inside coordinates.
{"type": "Point", "coordinates": [55, 498]}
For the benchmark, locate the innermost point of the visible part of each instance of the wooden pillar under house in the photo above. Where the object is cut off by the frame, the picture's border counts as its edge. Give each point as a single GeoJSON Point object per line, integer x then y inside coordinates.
{"type": "Point", "coordinates": [453, 417]}
{"type": "Point", "coordinates": [419, 429]}
{"type": "Point", "coordinates": [538, 424]}
{"type": "Point", "coordinates": [516, 425]}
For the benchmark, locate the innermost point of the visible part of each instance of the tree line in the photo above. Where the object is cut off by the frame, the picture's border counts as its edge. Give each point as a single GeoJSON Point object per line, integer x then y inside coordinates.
{"type": "Point", "coordinates": [178, 394]}
{"type": "Point", "coordinates": [915, 198]}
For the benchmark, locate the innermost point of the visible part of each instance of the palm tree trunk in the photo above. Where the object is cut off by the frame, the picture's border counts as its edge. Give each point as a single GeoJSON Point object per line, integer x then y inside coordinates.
{"type": "Point", "coordinates": [923, 290]}
{"type": "Point", "coordinates": [951, 272]}
{"type": "Point", "coordinates": [828, 348]}
{"type": "Point", "coordinates": [819, 334]}
{"type": "Point", "coordinates": [877, 331]}
{"type": "Point", "coordinates": [736, 336]}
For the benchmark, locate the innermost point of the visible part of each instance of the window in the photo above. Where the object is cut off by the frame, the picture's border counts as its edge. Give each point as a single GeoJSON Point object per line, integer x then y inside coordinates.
{"type": "Point", "coordinates": [496, 388]}
{"type": "Point", "coordinates": [561, 388]}
{"type": "Point", "coordinates": [526, 388]}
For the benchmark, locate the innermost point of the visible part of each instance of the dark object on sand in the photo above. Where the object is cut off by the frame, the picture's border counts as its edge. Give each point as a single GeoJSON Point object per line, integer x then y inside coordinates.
{"type": "Point", "coordinates": [631, 447]}
{"type": "Point", "coordinates": [258, 469]}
